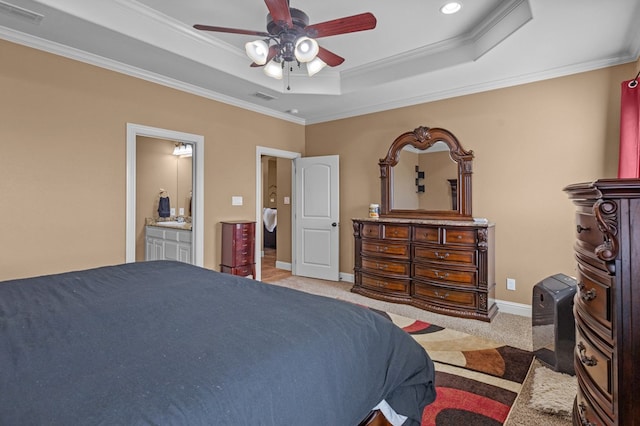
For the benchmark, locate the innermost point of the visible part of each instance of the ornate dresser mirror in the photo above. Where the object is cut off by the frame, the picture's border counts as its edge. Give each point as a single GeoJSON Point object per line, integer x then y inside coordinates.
{"type": "Point", "coordinates": [426, 174]}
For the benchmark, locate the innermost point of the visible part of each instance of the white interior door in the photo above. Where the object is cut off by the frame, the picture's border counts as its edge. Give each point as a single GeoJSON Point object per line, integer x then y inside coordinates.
{"type": "Point", "coordinates": [317, 209]}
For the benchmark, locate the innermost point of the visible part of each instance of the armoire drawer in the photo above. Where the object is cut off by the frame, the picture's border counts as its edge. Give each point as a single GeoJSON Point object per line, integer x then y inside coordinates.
{"type": "Point", "coordinates": [445, 255]}
{"type": "Point", "coordinates": [446, 276]}
{"type": "Point", "coordinates": [587, 413]}
{"type": "Point", "coordinates": [595, 299]}
{"type": "Point", "coordinates": [373, 247]}
{"type": "Point", "coordinates": [594, 364]}
{"type": "Point", "coordinates": [587, 230]}
{"type": "Point", "coordinates": [382, 266]}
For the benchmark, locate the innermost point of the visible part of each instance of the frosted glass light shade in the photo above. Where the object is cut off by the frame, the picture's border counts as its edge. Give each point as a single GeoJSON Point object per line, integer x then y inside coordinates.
{"type": "Point", "coordinates": [315, 66]}
{"type": "Point", "coordinates": [306, 49]}
{"type": "Point", "coordinates": [183, 150]}
{"type": "Point", "coordinates": [273, 69]}
{"type": "Point", "coordinates": [257, 51]}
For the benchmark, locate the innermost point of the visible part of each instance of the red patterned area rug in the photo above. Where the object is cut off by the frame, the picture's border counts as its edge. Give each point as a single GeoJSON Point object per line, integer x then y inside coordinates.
{"type": "Point", "coordinates": [477, 380]}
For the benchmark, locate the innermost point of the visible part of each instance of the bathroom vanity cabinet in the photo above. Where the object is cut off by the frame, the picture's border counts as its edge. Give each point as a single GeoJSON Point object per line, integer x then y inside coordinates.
{"type": "Point", "coordinates": [167, 244]}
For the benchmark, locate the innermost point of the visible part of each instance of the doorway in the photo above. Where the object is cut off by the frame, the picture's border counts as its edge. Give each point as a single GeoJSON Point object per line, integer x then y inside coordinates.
{"type": "Point", "coordinates": [197, 141]}
{"type": "Point", "coordinates": [263, 199]}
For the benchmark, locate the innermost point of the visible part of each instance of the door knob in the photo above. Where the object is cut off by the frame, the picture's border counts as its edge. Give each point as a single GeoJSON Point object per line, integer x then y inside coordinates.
{"type": "Point", "coordinates": [334, 224]}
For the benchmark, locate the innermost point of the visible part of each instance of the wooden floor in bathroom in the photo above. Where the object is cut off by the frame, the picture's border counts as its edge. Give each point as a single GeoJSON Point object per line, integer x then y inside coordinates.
{"type": "Point", "coordinates": [269, 271]}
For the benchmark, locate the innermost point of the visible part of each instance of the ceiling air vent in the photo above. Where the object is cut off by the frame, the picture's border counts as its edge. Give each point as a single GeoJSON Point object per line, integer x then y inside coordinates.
{"type": "Point", "coordinates": [264, 96]}
{"type": "Point", "coordinates": [19, 12]}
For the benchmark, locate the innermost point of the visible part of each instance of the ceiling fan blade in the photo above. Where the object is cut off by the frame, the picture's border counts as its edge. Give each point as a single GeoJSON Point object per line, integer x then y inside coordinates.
{"type": "Point", "coordinates": [329, 57]}
{"type": "Point", "coordinates": [349, 24]}
{"type": "Point", "coordinates": [273, 51]}
{"type": "Point", "coordinates": [280, 13]}
{"type": "Point", "coordinates": [230, 30]}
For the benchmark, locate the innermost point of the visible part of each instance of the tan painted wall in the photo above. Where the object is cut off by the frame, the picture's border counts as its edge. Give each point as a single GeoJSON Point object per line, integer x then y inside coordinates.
{"type": "Point", "coordinates": [529, 142]}
{"type": "Point", "coordinates": [62, 183]}
{"type": "Point", "coordinates": [63, 159]}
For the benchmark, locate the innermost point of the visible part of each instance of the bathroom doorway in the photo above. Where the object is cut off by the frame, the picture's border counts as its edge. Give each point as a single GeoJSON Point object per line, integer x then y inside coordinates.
{"type": "Point", "coordinates": [135, 131]}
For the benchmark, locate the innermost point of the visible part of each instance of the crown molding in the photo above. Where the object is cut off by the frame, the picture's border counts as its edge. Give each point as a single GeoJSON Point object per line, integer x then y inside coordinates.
{"type": "Point", "coordinates": [99, 61]}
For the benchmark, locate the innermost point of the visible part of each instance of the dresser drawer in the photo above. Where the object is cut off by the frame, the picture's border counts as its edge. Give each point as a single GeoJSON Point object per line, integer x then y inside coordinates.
{"type": "Point", "coordinates": [390, 285]}
{"type": "Point", "coordinates": [385, 266]}
{"type": "Point", "coordinates": [440, 295]}
{"type": "Point", "coordinates": [445, 255]}
{"type": "Point", "coordinates": [426, 234]}
{"type": "Point", "coordinates": [371, 230]}
{"type": "Point", "coordinates": [396, 232]}
{"type": "Point", "coordinates": [459, 236]}
{"type": "Point", "coordinates": [445, 276]}
{"type": "Point", "coordinates": [595, 299]}
{"type": "Point", "coordinates": [595, 366]}
{"type": "Point", "coordinates": [400, 251]}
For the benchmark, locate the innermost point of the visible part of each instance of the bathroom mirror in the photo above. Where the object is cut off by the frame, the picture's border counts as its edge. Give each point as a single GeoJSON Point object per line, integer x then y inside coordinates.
{"type": "Point", "coordinates": [426, 174]}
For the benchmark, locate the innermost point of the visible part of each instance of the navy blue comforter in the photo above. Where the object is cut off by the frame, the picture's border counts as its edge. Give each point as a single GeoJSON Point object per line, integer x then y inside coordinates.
{"type": "Point", "coordinates": [167, 343]}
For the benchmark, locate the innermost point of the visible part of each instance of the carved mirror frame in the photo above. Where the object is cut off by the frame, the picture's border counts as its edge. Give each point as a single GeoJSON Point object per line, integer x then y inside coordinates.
{"type": "Point", "coordinates": [423, 138]}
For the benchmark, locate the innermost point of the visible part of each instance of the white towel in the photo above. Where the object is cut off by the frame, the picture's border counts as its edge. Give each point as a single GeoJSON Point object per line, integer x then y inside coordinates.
{"type": "Point", "coordinates": [270, 218]}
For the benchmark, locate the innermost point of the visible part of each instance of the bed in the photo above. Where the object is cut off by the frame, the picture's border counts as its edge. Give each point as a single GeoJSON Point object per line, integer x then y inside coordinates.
{"type": "Point", "coordinates": [170, 343]}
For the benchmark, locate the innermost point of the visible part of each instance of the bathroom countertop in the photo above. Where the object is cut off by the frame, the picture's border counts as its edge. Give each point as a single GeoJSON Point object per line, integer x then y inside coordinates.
{"type": "Point", "coordinates": [172, 224]}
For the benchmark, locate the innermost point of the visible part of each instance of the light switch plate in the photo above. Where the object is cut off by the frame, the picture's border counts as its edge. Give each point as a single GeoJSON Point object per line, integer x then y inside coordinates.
{"type": "Point", "coordinates": [287, 200]}
{"type": "Point", "coordinates": [236, 200]}
{"type": "Point", "coordinates": [172, 211]}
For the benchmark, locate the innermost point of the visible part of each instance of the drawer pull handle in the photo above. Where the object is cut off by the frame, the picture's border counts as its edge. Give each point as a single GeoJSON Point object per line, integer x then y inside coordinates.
{"type": "Point", "coordinates": [441, 276]}
{"type": "Point", "coordinates": [441, 296]}
{"type": "Point", "coordinates": [383, 249]}
{"type": "Point", "coordinates": [583, 412]}
{"type": "Point", "coordinates": [441, 256]}
{"type": "Point", "coordinates": [381, 267]}
{"type": "Point", "coordinates": [589, 361]}
{"type": "Point", "coordinates": [587, 296]}
{"type": "Point", "coordinates": [582, 228]}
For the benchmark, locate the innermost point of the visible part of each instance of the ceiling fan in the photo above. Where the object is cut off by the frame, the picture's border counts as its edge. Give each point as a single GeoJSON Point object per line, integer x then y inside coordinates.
{"type": "Point", "coordinates": [290, 38]}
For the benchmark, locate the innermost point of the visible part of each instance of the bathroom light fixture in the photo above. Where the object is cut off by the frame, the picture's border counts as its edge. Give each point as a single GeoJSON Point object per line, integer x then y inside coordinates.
{"type": "Point", "coordinates": [183, 150]}
{"type": "Point", "coordinates": [451, 7]}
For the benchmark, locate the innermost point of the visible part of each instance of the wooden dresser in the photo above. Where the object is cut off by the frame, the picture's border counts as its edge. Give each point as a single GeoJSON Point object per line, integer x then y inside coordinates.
{"type": "Point", "coordinates": [607, 303]}
{"type": "Point", "coordinates": [238, 248]}
{"type": "Point", "coordinates": [441, 266]}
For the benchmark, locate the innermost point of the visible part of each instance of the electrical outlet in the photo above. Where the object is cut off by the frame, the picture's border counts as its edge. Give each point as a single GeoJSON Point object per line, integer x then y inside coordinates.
{"type": "Point", "coordinates": [511, 284]}
{"type": "Point", "coordinates": [172, 212]}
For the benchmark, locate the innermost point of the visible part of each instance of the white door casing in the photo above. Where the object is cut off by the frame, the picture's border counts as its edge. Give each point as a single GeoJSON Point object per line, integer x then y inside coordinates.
{"type": "Point", "coordinates": [317, 215]}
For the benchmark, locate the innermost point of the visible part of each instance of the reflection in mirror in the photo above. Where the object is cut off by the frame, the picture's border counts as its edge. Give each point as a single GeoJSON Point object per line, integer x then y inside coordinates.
{"type": "Point", "coordinates": [438, 169]}
{"type": "Point", "coordinates": [426, 174]}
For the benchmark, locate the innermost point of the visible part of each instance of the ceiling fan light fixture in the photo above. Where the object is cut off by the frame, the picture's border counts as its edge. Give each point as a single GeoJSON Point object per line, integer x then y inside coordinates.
{"type": "Point", "coordinates": [257, 51]}
{"type": "Point", "coordinates": [273, 69]}
{"type": "Point", "coordinates": [315, 66]}
{"type": "Point", "coordinates": [306, 49]}
{"type": "Point", "coordinates": [451, 7]}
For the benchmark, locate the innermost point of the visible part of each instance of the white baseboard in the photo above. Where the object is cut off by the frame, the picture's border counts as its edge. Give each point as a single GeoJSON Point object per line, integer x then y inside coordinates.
{"type": "Point", "coordinates": [347, 277]}
{"type": "Point", "coordinates": [514, 308]}
{"type": "Point", "coordinates": [283, 265]}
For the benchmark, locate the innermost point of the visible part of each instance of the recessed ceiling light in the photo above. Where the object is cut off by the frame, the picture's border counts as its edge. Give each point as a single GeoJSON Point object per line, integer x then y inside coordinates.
{"type": "Point", "coordinates": [451, 8]}
{"type": "Point", "coordinates": [293, 111]}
